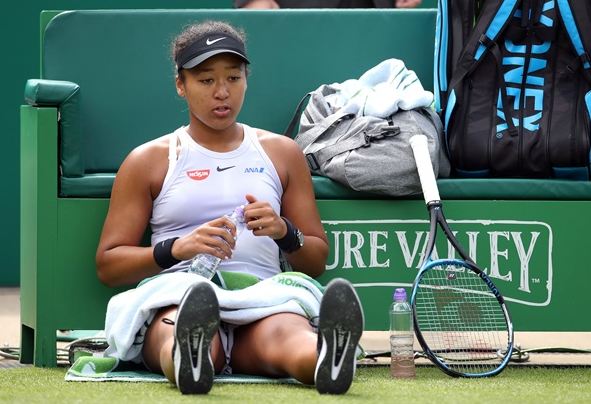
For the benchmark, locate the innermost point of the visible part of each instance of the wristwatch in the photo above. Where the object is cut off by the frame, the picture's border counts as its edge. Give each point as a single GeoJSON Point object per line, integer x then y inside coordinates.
{"type": "Point", "coordinates": [300, 238]}
{"type": "Point", "coordinates": [293, 239]}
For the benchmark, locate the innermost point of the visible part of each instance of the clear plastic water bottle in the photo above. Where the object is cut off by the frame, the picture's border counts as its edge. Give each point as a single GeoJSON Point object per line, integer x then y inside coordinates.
{"type": "Point", "coordinates": [206, 264]}
{"type": "Point", "coordinates": [401, 337]}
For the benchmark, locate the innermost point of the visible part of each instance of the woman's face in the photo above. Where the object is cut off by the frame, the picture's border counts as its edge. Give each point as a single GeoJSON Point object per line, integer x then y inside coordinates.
{"type": "Point", "coordinates": [214, 90]}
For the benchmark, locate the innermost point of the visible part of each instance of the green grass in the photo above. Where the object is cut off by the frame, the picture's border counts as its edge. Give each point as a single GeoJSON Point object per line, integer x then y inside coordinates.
{"type": "Point", "coordinates": [372, 384]}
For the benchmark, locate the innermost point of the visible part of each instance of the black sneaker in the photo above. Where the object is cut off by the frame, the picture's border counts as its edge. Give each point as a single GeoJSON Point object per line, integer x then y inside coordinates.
{"type": "Point", "coordinates": [196, 324]}
{"type": "Point", "coordinates": [339, 329]}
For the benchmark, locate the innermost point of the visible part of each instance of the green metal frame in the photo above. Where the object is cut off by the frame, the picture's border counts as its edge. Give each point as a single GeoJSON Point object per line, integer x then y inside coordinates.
{"type": "Point", "coordinates": [59, 286]}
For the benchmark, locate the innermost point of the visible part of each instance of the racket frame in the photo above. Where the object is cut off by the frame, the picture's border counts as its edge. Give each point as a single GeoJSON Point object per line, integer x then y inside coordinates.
{"type": "Point", "coordinates": [419, 144]}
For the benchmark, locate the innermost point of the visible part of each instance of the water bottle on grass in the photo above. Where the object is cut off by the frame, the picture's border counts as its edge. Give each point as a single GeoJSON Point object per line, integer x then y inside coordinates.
{"type": "Point", "coordinates": [206, 264]}
{"type": "Point", "coordinates": [401, 337]}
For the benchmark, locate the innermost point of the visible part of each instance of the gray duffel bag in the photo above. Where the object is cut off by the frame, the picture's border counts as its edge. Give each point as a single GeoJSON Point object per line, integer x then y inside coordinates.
{"type": "Point", "coordinates": [366, 153]}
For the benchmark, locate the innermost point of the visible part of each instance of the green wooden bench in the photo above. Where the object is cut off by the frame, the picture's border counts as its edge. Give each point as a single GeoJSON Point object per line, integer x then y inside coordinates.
{"type": "Point", "coordinates": [107, 85]}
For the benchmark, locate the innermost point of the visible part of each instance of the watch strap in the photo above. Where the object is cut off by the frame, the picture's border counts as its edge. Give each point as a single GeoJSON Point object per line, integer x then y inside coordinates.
{"type": "Point", "coordinates": [290, 242]}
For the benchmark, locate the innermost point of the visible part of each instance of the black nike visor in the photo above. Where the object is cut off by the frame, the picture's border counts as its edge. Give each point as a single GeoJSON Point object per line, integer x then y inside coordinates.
{"type": "Point", "coordinates": [205, 47]}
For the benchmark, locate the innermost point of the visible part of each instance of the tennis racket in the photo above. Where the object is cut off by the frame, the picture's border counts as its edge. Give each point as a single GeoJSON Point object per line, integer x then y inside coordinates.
{"type": "Point", "coordinates": [459, 315]}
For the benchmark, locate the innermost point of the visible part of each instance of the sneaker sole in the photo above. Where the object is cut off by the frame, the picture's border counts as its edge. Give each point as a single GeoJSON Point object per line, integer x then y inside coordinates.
{"type": "Point", "coordinates": [340, 310]}
{"type": "Point", "coordinates": [197, 322]}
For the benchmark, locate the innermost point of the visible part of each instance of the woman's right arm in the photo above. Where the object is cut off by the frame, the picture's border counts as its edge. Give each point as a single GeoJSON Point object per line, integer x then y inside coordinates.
{"type": "Point", "coordinates": [120, 259]}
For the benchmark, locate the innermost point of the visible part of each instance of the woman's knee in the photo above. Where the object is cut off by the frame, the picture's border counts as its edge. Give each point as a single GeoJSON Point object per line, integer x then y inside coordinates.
{"type": "Point", "coordinates": [158, 334]}
{"type": "Point", "coordinates": [159, 341]}
{"type": "Point", "coordinates": [276, 341]}
{"type": "Point", "coordinates": [280, 330]}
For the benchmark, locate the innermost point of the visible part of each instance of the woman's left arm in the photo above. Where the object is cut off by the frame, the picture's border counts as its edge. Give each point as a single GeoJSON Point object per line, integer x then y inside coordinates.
{"type": "Point", "coordinates": [298, 205]}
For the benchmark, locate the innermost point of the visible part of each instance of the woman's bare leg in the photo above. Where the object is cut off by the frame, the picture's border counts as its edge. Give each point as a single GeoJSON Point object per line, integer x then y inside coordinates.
{"type": "Point", "coordinates": [285, 344]}
{"type": "Point", "coordinates": [157, 350]}
{"type": "Point", "coordinates": [280, 345]}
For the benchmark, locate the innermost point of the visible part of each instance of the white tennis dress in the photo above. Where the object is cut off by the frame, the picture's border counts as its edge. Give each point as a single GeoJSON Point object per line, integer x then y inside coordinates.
{"type": "Point", "coordinates": [202, 185]}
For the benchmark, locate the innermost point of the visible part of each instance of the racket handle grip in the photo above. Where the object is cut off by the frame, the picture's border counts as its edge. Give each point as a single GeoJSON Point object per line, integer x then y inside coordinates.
{"type": "Point", "coordinates": [420, 149]}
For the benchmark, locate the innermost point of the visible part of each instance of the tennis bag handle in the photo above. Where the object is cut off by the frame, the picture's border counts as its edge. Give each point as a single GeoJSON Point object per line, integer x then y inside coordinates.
{"type": "Point", "coordinates": [294, 121]}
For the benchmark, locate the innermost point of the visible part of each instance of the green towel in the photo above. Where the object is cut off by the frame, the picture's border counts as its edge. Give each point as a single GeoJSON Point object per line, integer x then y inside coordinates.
{"type": "Point", "coordinates": [97, 369]}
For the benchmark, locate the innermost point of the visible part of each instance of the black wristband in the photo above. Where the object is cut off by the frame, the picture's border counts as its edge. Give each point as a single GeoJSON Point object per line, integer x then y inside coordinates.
{"type": "Point", "coordinates": [289, 242]}
{"type": "Point", "coordinates": [163, 253]}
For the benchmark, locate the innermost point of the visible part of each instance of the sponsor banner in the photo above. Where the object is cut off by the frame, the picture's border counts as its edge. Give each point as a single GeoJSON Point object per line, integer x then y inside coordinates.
{"type": "Point", "coordinates": [517, 255]}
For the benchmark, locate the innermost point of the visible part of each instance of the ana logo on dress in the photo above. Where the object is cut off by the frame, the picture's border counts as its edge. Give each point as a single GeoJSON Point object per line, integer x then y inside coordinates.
{"type": "Point", "coordinates": [198, 175]}
{"type": "Point", "coordinates": [254, 170]}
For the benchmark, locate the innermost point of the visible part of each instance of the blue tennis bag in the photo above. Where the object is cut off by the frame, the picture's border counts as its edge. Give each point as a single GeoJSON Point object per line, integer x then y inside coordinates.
{"type": "Point", "coordinates": [513, 87]}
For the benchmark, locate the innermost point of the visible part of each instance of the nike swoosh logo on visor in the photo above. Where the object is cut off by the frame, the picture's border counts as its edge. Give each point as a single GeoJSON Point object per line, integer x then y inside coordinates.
{"type": "Point", "coordinates": [212, 41]}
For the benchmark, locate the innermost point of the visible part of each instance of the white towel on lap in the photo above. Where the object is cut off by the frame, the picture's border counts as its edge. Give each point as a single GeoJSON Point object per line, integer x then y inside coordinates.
{"type": "Point", "coordinates": [129, 313]}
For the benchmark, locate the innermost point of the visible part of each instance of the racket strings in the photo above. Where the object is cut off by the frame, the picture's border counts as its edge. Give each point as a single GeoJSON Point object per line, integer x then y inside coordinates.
{"type": "Point", "coordinates": [461, 320]}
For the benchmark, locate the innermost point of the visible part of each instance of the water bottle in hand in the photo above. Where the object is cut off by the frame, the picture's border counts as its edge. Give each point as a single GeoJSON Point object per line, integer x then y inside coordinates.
{"type": "Point", "coordinates": [401, 337]}
{"type": "Point", "coordinates": [206, 264]}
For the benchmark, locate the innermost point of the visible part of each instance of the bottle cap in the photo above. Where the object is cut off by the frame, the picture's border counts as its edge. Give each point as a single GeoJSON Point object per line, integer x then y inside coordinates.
{"type": "Point", "coordinates": [399, 295]}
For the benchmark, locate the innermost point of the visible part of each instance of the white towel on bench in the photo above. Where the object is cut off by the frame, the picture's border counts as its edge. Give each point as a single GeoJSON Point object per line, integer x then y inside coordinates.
{"type": "Point", "coordinates": [130, 312]}
{"type": "Point", "coordinates": [381, 91]}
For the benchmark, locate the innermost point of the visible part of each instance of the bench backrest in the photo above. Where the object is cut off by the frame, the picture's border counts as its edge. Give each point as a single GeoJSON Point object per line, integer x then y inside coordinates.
{"type": "Point", "coordinates": [121, 62]}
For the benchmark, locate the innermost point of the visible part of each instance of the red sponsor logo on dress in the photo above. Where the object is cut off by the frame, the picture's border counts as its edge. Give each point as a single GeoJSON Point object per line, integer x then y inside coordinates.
{"type": "Point", "coordinates": [198, 175]}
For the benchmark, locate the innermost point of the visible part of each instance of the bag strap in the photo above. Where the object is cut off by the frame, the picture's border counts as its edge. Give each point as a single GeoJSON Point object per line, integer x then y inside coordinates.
{"type": "Point", "coordinates": [296, 117]}
{"type": "Point", "coordinates": [455, 19]}
{"type": "Point", "coordinates": [493, 20]}
{"type": "Point", "coordinates": [305, 139]}
{"type": "Point", "coordinates": [577, 22]}
{"type": "Point", "coordinates": [462, 15]}
{"type": "Point", "coordinates": [308, 137]}
{"type": "Point", "coordinates": [319, 157]}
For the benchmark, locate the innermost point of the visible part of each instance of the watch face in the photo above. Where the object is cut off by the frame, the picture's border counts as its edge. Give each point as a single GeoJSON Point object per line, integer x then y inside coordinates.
{"type": "Point", "coordinates": [300, 236]}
